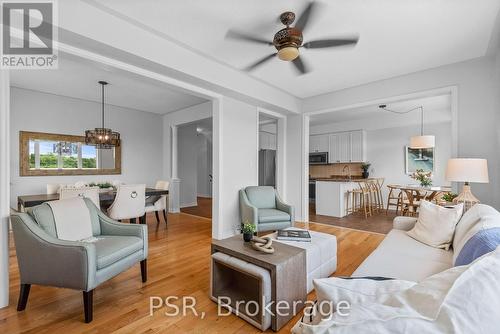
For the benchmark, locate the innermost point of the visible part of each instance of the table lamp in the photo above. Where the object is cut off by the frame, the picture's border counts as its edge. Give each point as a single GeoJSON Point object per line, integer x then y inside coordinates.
{"type": "Point", "coordinates": [467, 170]}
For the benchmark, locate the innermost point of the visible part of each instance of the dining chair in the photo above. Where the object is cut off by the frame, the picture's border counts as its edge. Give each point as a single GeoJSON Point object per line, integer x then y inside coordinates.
{"type": "Point", "coordinates": [394, 198]}
{"type": "Point", "coordinates": [158, 203]}
{"type": "Point", "coordinates": [129, 203]}
{"type": "Point", "coordinates": [53, 188]}
{"type": "Point", "coordinates": [410, 202]}
{"type": "Point", "coordinates": [80, 184]}
{"type": "Point", "coordinates": [91, 193]}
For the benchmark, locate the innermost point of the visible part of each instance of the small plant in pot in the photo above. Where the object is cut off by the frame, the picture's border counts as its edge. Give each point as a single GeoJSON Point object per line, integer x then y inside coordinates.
{"type": "Point", "coordinates": [248, 231]}
{"type": "Point", "coordinates": [365, 167]}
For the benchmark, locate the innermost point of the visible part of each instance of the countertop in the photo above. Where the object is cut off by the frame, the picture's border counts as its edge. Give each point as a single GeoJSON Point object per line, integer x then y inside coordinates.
{"type": "Point", "coordinates": [335, 179]}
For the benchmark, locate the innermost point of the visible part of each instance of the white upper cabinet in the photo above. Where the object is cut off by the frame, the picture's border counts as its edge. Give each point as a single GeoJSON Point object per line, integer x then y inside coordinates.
{"type": "Point", "coordinates": [344, 146]}
{"type": "Point", "coordinates": [334, 153]}
{"type": "Point", "coordinates": [318, 143]}
{"type": "Point", "coordinates": [358, 146]}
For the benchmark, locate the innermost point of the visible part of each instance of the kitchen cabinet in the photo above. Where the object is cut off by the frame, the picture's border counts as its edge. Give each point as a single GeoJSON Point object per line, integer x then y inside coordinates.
{"type": "Point", "coordinates": [358, 146]}
{"type": "Point", "coordinates": [334, 152]}
{"type": "Point", "coordinates": [267, 140]}
{"type": "Point", "coordinates": [347, 147]}
{"type": "Point", "coordinates": [318, 143]}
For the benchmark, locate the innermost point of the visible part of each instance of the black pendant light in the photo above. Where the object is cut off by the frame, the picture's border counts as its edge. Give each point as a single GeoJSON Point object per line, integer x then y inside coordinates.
{"type": "Point", "coordinates": [102, 137]}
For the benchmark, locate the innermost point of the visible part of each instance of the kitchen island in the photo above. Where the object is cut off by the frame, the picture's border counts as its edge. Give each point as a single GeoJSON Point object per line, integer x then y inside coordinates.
{"type": "Point", "coordinates": [331, 196]}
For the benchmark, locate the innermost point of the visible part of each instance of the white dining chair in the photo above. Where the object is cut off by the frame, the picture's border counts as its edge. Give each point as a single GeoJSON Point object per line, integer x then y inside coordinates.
{"type": "Point", "coordinates": [158, 203]}
{"type": "Point", "coordinates": [91, 193]}
{"type": "Point", "coordinates": [80, 184]}
{"type": "Point", "coordinates": [129, 203]}
{"type": "Point", "coordinates": [53, 188]}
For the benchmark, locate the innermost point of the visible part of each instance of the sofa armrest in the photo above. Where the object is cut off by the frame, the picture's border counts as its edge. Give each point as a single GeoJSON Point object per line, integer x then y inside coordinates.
{"type": "Point", "coordinates": [404, 223]}
{"type": "Point", "coordinates": [248, 212]}
{"type": "Point", "coordinates": [46, 260]}
{"type": "Point", "coordinates": [282, 206]}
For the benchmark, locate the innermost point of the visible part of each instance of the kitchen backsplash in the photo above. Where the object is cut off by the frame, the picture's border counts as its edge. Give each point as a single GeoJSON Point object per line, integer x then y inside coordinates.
{"type": "Point", "coordinates": [326, 171]}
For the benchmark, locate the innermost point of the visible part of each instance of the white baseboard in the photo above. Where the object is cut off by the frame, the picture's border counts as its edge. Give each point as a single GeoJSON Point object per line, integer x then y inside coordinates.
{"type": "Point", "coordinates": [185, 205]}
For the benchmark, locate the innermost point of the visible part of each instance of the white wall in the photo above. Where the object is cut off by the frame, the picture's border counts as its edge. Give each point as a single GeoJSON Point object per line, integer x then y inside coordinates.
{"type": "Point", "coordinates": [188, 164]}
{"type": "Point", "coordinates": [141, 134]}
{"type": "Point", "coordinates": [477, 109]}
{"type": "Point", "coordinates": [297, 165]}
{"type": "Point", "coordinates": [236, 150]}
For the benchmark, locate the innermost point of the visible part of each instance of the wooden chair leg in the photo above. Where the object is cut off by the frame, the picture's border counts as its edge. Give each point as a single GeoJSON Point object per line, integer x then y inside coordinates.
{"type": "Point", "coordinates": [24, 292]}
{"type": "Point", "coordinates": [88, 305]}
{"type": "Point", "coordinates": [157, 217]}
{"type": "Point", "coordinates": [165, 216]}
{"type": "Point", "coordinates": [144, 270]}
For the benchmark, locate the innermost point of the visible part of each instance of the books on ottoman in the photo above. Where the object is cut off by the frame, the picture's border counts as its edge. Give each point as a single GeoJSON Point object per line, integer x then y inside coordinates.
{"type": "Point", "coordinates": [294, 235]}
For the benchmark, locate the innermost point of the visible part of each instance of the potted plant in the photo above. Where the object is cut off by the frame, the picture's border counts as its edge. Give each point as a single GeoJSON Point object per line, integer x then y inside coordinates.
{"type": "Point", "coordinates": [449, 197]}
{"type": "Point", "coordinates": [248, 231]}
{"type": "Point", "coordinates": [365, 166]}
{"type": "Point", "coordinates": [425, 178]}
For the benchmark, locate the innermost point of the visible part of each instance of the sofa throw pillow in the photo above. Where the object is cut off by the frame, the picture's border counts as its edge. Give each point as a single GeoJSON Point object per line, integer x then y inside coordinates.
{"type": "Point", "coordinates": [436, 224]}
{"type": "Point", "coordinates": [482, 242]}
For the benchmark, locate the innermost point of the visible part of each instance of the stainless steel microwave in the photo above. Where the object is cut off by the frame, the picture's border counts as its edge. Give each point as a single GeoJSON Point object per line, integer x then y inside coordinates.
{"type": "Point", "coordinates": [320, 158]}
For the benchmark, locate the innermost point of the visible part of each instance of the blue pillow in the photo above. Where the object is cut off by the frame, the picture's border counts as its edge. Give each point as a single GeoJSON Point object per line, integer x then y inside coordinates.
{"type": "Point", "coordinates": [479, 244]}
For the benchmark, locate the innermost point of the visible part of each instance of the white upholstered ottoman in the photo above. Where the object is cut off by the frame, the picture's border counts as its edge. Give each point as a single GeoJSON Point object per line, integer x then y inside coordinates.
{"type": "Point", "coordinates": [321, 254]}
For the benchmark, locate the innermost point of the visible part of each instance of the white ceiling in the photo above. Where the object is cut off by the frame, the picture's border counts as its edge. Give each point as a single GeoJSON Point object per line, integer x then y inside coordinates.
{"type": "Point", "coordinates": [78, 79]}
{"type": "Point", "coordinates": [436, 109]}
{"type": "Point", "coordinates": [396, 36]}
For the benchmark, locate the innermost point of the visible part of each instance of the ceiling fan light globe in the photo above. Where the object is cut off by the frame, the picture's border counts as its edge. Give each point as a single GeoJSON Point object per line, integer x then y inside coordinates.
{"type": "Point", "coordinates": [288, 53]}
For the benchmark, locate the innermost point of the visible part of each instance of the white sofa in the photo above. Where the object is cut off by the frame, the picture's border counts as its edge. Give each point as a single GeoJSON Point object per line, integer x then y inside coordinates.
{"type": "Point", "coordinates": [400, 256]}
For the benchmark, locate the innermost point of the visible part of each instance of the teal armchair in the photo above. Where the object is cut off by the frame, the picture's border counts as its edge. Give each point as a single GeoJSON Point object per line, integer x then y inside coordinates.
{"type": "Point", "coordinates": [262, 206]}
{"type": "Point", "coordinates": [46, 260]}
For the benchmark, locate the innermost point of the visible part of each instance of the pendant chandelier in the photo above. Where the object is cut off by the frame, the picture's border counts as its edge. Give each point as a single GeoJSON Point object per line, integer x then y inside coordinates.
{"type": "Point", "coordinates": [102, 137]}
{"type": "Point", "coordinates": [416, 142]}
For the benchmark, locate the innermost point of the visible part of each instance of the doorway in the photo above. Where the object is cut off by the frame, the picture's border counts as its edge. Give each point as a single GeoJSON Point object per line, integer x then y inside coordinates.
{"type": "Point", "coordinates": [195, 154]}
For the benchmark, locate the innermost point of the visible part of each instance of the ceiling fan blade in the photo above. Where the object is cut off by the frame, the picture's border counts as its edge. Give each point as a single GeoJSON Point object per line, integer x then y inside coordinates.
{"type": "Point", "coordinates": [306, 15]}
{"type": "Point", "coordinates": [259, 62]}
{"type": "Point", "coordinates": [328, 43]}
{"type": "Point", "coordinates": [300, 65]}
{"type": "Point", "coordinates": [232, 34]}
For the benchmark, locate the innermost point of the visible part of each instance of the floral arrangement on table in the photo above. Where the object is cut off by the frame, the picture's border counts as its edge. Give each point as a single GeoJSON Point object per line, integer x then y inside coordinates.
{"type": "Point", "coordinates": [102, 185]}
{"type": "Point", "coordinates": [449, 197]}
{"type": "Point", "coordinates": [425, 178]}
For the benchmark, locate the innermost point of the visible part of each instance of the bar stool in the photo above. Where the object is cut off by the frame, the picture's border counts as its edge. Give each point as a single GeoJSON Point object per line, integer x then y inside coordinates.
{"type": "Point", "coordinates": [364, 192]}
{"type": "Point", "coordinates": [380, 198]}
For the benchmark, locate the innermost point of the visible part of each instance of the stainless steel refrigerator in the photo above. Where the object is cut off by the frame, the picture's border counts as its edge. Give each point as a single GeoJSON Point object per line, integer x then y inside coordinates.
{"type": "Point", "coordinates": [267, 168]}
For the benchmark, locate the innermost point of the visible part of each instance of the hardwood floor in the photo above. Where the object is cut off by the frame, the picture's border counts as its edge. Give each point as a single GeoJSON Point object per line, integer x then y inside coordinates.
{"type": "Point", "coordinates": [378, 222]}
{"type": "Point", "coordinates": [179, 258]}
{"type": "Point", "coordinates": [203, 209]}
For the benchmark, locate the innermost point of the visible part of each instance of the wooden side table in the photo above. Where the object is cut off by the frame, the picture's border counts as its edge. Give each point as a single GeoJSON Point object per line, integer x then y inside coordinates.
{"type": "Point", "coordinates": [287, 268]}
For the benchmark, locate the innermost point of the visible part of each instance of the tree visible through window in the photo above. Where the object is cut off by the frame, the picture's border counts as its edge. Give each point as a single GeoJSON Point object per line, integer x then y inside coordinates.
{"type": "Point", "coordinates": [61, 155]}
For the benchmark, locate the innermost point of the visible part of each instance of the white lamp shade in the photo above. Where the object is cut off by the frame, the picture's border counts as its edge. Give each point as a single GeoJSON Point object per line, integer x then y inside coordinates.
{"type": "Point", "coordinates": [467, 170]}
{"type": "Point", "coordinates": [422, 142]}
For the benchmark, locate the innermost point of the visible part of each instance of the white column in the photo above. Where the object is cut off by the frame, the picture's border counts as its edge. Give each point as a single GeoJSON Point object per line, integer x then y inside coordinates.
{"type": "Point", "coordinates": [174, 190]}
{"type": "Point", "coordinates": [4, 186]}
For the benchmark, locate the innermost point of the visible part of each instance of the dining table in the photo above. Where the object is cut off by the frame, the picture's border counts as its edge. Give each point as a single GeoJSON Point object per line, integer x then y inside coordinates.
{"type": "Point", "coordinates": [415, 193]}
{"type": "Point", "coordinates": [106, 197]}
